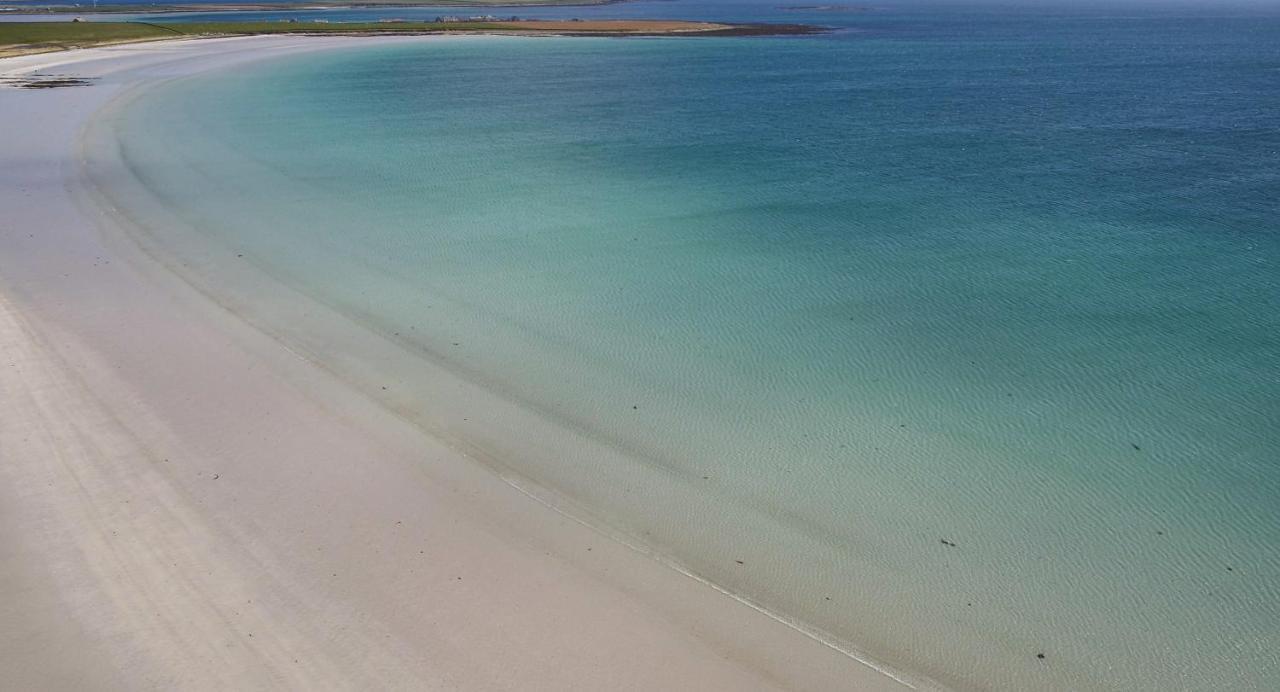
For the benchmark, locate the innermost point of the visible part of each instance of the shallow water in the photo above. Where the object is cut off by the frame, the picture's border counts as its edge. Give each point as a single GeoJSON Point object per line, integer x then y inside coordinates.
{"type": "Point", "coordinates": [956, 338]}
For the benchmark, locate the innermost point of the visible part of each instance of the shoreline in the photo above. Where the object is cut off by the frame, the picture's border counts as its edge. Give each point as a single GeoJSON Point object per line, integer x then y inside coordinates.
{"type": "Point", "coordinates": [28, 38]}
{"type": "Point", "coordinates": [115, 337]}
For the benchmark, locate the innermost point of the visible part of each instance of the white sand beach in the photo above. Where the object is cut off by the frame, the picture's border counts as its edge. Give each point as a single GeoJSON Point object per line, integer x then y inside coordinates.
{"type": "Point", "coordinates": [187, 504]}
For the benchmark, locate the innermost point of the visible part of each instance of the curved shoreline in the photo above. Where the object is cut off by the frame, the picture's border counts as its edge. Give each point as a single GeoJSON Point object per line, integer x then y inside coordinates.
{"type": "Point", "coordinates": [126, 341]}
{"type": "Point", "coordinates": [25, 38]}
{"type": "Point", "coordinates": [369, 355]}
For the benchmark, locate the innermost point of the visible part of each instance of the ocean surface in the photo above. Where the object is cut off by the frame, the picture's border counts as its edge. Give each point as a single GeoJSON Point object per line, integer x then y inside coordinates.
{"type": "Point", "coordinates": [952, 336]}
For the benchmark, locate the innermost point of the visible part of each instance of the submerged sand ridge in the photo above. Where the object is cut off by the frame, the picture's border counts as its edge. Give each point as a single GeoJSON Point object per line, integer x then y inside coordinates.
{"type": "Point", "coordinates": [186, 503]}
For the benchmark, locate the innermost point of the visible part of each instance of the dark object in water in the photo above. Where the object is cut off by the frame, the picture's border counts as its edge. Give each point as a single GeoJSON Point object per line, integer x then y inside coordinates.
{"type": "Point", "coordinates": [947, 543]}
{"type": "Point", "coordinates": [1039, 655]}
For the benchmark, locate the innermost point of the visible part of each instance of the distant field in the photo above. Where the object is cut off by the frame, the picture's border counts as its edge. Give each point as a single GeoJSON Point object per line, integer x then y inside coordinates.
{"type": "Point", "coordinates": [36, 37]}
{"type": "Point", "coordinates": [136, 8]}
{"type": "Point", "coordinates": [599, 26]}
{"type": "Point", "coordinates": [46, 36]}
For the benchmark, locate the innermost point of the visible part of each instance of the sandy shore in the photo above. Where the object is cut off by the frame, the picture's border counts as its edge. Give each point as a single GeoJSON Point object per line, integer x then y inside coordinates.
{"type": "Point", "coordinates": [185, 503]}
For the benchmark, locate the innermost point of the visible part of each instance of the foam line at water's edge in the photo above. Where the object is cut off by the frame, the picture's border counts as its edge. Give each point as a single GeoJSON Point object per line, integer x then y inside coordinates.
{"type": "Point", "coordinates": [814, 633]}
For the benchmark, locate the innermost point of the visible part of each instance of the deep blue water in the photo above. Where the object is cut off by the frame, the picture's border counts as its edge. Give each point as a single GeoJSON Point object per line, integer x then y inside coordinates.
{"type": "Point", "coordinates": [960, 327]}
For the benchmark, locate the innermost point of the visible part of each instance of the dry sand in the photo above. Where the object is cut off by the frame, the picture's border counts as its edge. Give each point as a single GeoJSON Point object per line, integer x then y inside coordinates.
{"type": "Point", "coordinates": [184, 503]}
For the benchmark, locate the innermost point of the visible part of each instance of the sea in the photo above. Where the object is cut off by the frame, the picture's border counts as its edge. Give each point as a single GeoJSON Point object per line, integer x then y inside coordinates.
{"type": "Point", "coordinates": [950, 336]}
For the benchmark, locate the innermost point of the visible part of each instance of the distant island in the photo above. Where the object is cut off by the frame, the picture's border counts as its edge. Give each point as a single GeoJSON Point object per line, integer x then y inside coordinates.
{"type": "Point", "coordinates": [18, 38]}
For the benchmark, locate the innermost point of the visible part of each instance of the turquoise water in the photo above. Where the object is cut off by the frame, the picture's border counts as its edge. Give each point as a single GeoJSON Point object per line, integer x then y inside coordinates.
{"type": "Point", "coordinates": [956, 339]}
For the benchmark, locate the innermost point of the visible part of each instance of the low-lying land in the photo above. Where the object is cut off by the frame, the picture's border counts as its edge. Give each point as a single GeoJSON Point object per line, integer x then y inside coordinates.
{"type": "Point", "coordinates": [17, 38]}
{"type": "Point", "coordinates": [139, 8]}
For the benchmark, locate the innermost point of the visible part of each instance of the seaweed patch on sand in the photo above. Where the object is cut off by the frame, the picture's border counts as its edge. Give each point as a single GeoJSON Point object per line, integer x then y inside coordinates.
{"type": "Point", "coordinates": [45, 81]}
